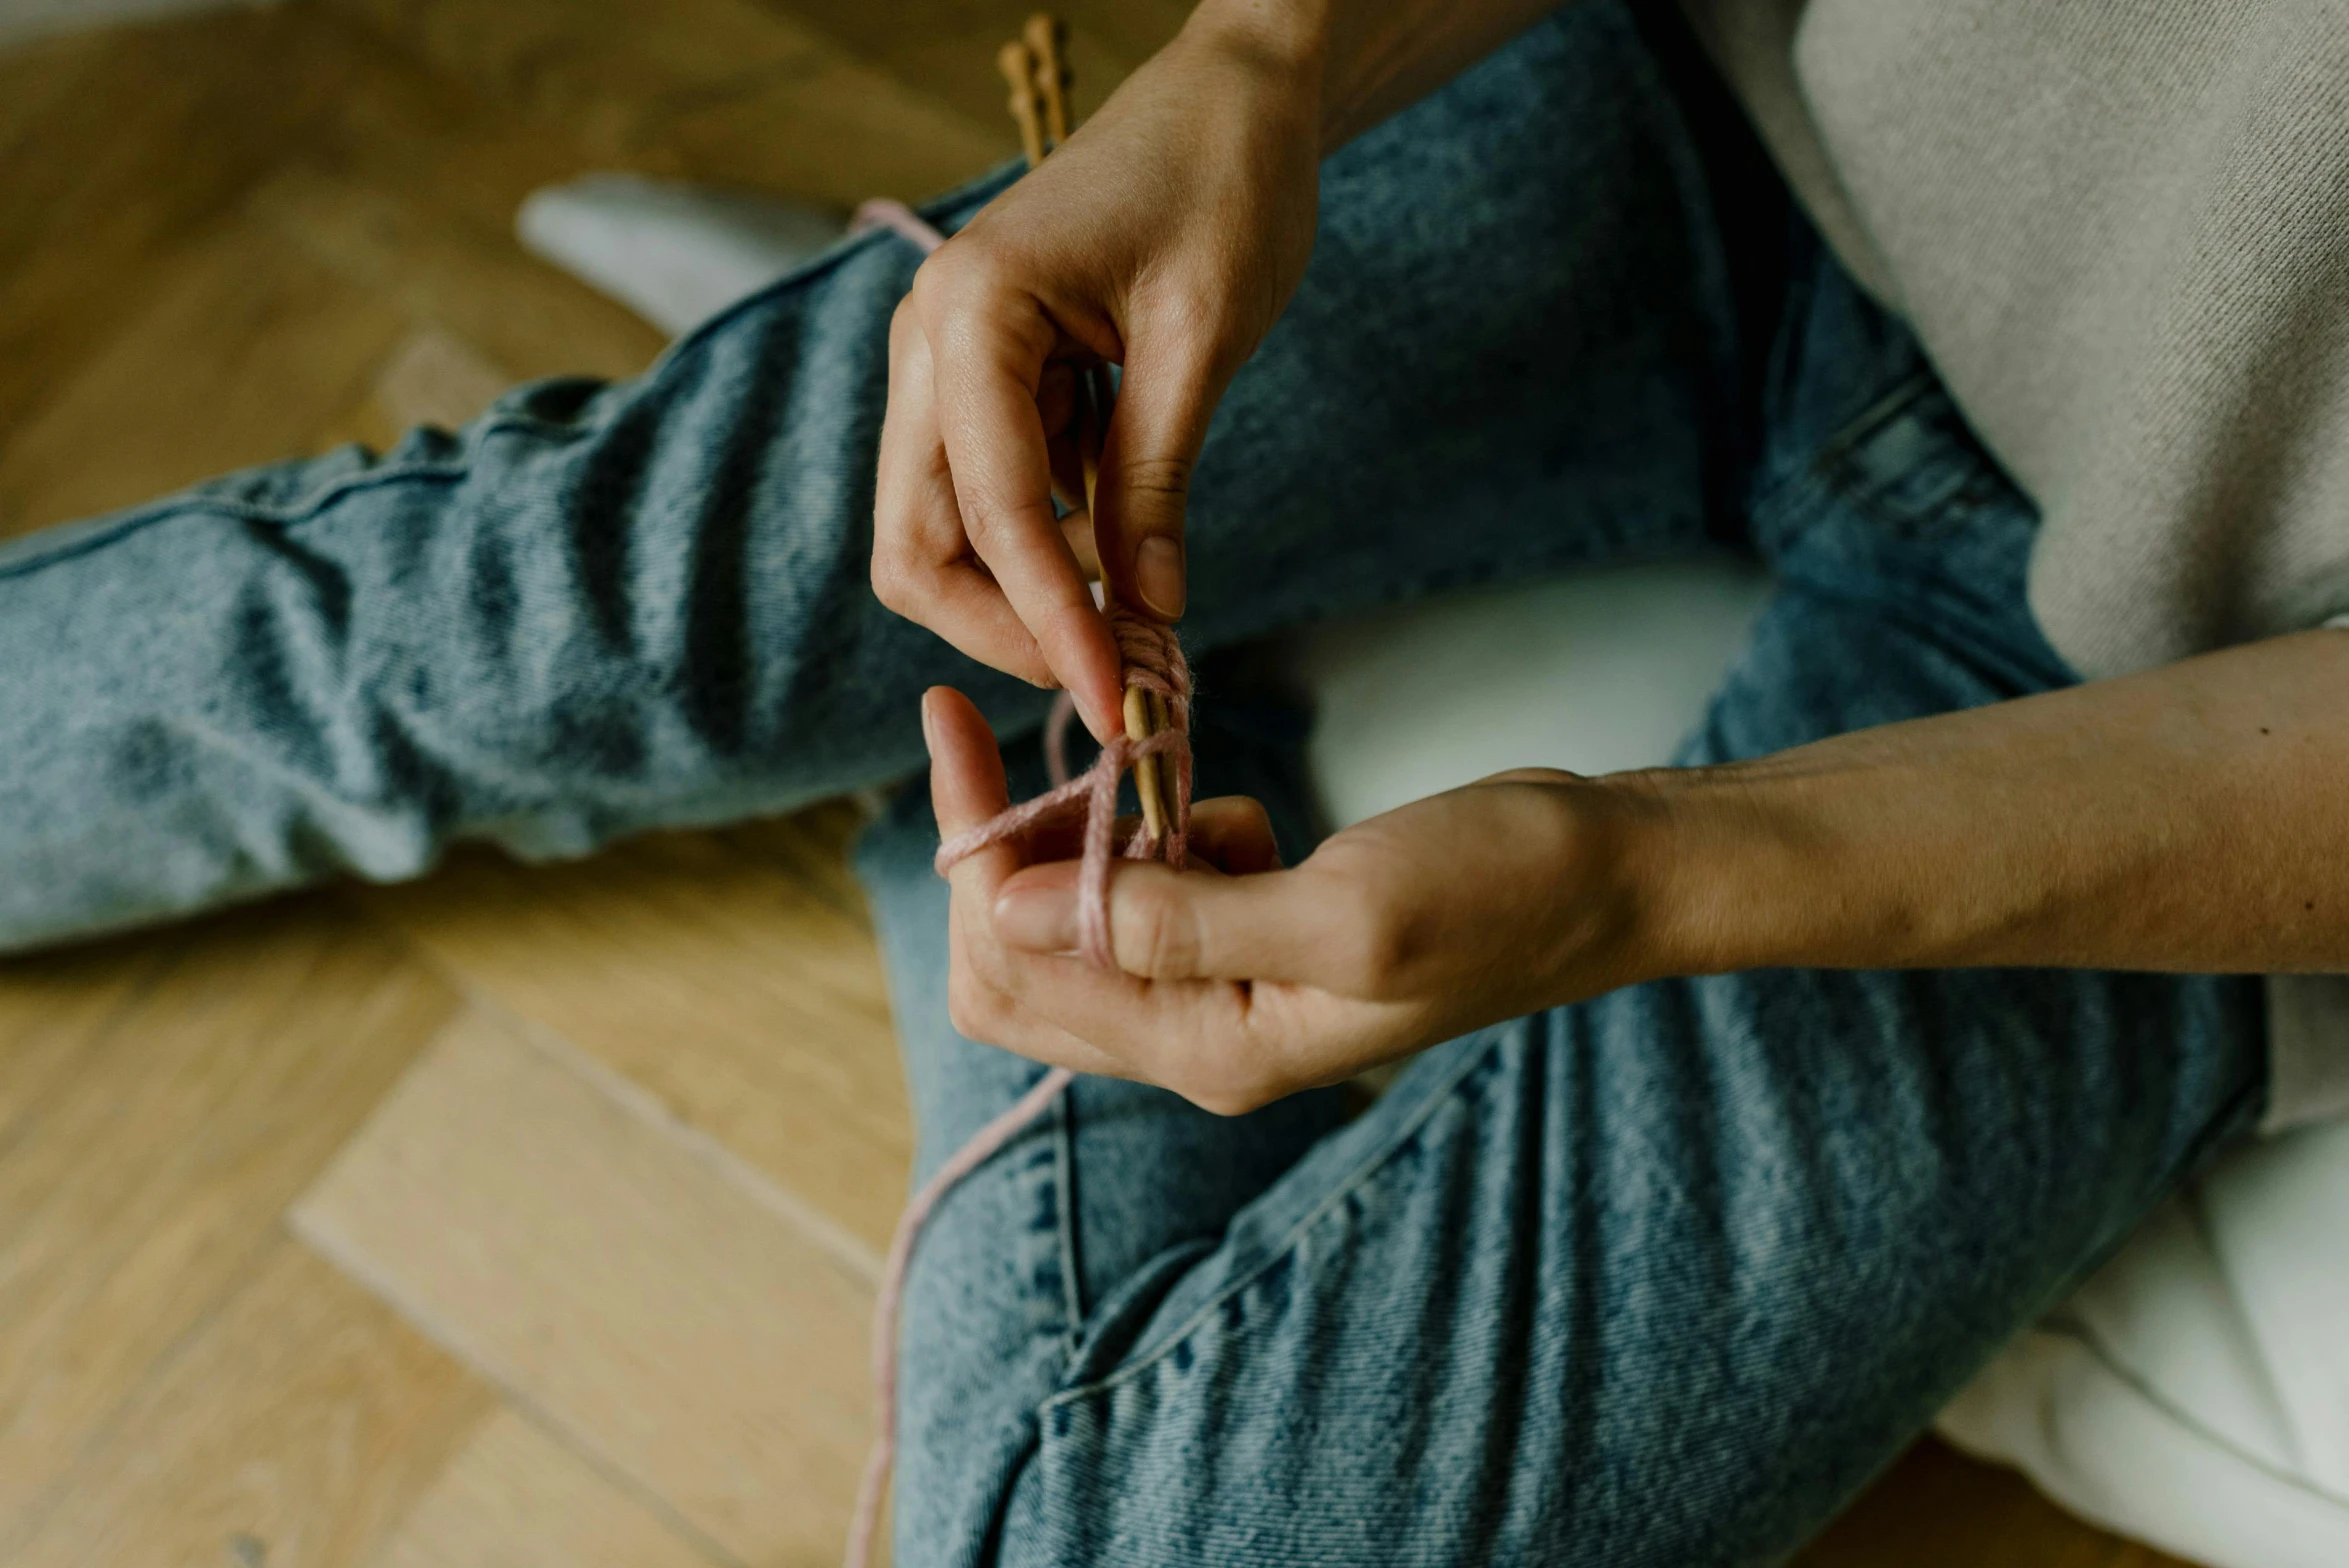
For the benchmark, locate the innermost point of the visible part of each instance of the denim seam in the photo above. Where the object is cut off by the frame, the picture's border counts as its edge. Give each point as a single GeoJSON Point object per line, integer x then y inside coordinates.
{"type": "Point", "coordinates": [290, 517]}
{"type": "Point", "coordinates": [179, 506]}
{"type": "Point", "coordinates": [1875, 414]}
{"type": "Point", "coordinates": [1371, 1163]}
{"type": "Point", "coordinates": [1810, 474]}
{"type": "Point", "coordinates": [142, 518]}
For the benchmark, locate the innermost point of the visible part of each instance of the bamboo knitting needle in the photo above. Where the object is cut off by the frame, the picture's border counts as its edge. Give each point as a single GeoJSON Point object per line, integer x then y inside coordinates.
{"type": "Point", "coordinates": [1145, 711]}
{"type": "Point", "coordinates": [1036, 68]}
{"type": "Point", "coordinates": [1018, 66]}
{"type": "Point", "coordinates": [1047, 38]}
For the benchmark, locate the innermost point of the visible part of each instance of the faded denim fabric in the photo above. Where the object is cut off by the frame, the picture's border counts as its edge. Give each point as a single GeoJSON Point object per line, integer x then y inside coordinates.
{"type": "Point", "coordinates": [602, 608]}
{"type": "Point", "coordinates": [1660, 1279]}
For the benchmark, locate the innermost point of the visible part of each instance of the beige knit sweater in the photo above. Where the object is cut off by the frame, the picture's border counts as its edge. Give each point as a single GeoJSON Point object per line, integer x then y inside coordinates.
{"type": "Point", "coordinates": [2121, 230]}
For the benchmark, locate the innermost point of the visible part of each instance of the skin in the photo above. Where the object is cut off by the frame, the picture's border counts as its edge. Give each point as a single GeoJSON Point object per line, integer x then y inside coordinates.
{"type": "Point", "coordinates": [2188, 819]}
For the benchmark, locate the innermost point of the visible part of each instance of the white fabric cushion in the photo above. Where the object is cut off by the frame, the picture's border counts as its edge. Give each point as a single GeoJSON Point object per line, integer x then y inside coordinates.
{"type": "Point", "coordinates": [675, 254]}
{"type": "Point", "coordinates": [2195, 1392]}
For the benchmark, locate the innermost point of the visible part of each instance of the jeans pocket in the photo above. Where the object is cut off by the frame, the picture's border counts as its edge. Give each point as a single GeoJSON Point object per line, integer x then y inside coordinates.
{"type": "Point", "coordinates": [1910, 464]}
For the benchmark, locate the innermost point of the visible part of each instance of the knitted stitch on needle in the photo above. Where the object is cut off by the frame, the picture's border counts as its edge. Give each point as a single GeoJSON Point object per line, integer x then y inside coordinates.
{"type": "Point", "coordinates": [1154, 663]}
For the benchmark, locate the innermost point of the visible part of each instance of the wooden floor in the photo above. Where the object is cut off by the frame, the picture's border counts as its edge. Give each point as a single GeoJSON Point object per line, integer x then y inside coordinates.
{"type": "Point", "coordinates": [515, 1219]}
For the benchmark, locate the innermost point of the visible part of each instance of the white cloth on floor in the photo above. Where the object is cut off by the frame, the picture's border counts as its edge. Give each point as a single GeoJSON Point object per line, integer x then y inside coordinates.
{"type": "Point", "coordinates": [675, 254]}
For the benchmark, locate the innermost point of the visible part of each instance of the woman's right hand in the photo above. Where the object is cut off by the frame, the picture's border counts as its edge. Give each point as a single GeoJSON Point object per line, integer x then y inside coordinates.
{"type": "Point", "coordinates": [1165, 236]}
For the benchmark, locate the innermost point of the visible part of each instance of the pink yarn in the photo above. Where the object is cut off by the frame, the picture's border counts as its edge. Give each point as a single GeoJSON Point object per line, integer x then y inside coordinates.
{"type": "Point", "coordinates": [896, 216]}
{"type": "Point", "coordinates": [1153, 662]}
{"type": "Point", "coordinates": [966, 1159]}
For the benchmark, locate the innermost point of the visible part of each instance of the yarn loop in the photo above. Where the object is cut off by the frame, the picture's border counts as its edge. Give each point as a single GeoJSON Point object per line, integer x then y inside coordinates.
{"type": "Point", "coordinates": [1154, 663]}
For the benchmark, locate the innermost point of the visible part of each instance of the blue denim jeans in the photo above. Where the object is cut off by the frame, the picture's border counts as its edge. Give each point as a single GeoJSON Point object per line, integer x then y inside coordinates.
{"type": "Point", "coordinates": [1659, 1279]}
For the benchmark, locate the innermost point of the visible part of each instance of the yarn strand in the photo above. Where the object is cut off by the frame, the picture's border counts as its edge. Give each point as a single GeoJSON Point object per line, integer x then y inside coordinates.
{"type": "Point", "coordinates": [1154, 663]}
{"type": "Point", "coordinates": [886, 1311]}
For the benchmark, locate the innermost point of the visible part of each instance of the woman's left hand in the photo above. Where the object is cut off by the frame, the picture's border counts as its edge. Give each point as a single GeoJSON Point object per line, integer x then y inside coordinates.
{"type": "Point", "coordinates": [1240, 981]}
{"type": "Point", "coordinates": [2186, 819]}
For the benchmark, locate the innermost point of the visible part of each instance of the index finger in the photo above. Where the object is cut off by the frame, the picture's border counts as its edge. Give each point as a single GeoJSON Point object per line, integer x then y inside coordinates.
{"type": "Point", "coordinates": [988, 351]}
{"type": "Point", "coordinates": [967, 784]}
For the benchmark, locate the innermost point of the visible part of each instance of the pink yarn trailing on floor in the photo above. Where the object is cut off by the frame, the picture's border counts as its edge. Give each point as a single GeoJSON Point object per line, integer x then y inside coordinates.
{"type": "Point", "coordinates": [1154, 662]}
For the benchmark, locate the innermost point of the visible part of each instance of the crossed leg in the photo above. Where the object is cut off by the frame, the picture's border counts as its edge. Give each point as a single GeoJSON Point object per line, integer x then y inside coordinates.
{"type": "Point", "coordinates": [1658, 1279]}
{"type": "Point", "coordinates": [605, 608]}
{"type": "Point", "coordinates": [1655, 1279]}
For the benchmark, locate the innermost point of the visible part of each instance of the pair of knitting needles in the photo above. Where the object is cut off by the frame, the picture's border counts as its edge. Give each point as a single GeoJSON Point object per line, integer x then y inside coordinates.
{"type": "Point", "coordinates": [1035, 66]}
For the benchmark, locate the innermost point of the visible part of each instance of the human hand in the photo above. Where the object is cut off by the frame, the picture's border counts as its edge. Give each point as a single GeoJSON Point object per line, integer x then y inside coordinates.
{"type": "Point", "coordinates": [1165, 236]}
{"type": "Point", "coordinates": [1243, 981]}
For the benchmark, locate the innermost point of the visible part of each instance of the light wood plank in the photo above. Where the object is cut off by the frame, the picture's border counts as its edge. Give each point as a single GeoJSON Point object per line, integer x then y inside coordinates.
{"type": "Point", "coordinates": [235, 359]}
{"type": "Point", "coordinates": [625, 1281]}
{"type": "Point", "coordinates": [517, 1498]}
{"type": "Point", "coordinates": [115, 149]}
{"type": "Point", "coordinates": [732, 974]}
{"type": "Point", "coordinates": [149, 348]}
{"type": "Point", "coordinates": [136, 1190]}
{"type": "Point", "coordinates": [437, 378]}
{"type": "Point", "coordinates": [53, 1014]}
{"type": "Point", "coordinates": [447, 272]}
{"type": "Point", "coordinates": [402, 124]}
{"type": "Point", "coordinates": [719, 90]}
{"type": "Point", "coordinates": [432, 378]}
{"type": "Point", "coordinates": [292, 1430]}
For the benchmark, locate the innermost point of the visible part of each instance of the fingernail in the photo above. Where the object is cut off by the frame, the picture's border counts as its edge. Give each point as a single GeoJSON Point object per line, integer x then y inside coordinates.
{"type": "Point", "coordinates": [929, 728]}
{"type": "Point", "coordinates": [1158, 574]}
{"type": "Point", "coordinates": [1037, 919]}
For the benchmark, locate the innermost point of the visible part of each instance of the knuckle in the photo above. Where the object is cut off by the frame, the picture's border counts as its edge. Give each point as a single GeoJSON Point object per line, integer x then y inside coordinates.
{"type": "Point", "coordinates": [1165, 934]}
{"type": "Point", "coordinates": [984, 523]}
{"type": "Point", "coordinates": [894, 581]}
{"type": "Point", "coordinates": [1220, 1104]}
{"type": "Point", "coordinates": [990, 524]}
{"type": "Point", "coordinates": [1214, 337]}
{"type": "Point", "coordinates": [929, 280]}
{"type": "Point", "coordinates": [1159, 476]}
{"type": "Point", "coordinates": [973, 1008]}
{"type": "Point", "coordinates": [1228, 1076]}
{"type": "Point", "coordinates": [956, 279]}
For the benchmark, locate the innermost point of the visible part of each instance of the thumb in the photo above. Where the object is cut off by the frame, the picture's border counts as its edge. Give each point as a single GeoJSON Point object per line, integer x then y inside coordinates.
{"type": "Point", "coordinates": [1164, 402]}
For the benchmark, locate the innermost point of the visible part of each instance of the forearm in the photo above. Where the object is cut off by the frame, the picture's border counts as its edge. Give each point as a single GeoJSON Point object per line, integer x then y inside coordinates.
{"type": "Point", "coordinates": [2192, 818]}
{"type": "Point", "coordinates": [1364, 60]}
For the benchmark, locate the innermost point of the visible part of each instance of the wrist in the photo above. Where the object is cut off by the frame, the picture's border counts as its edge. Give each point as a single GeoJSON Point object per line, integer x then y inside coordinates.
{"type": "Point", "coordinates": [1613, 899]}
{"type": "Point", "coordinates": [1289, 39]}
{"type": "Point", "coordinates": [1294, 45]}
{"type": "Point", "coordinates": [1837, 855]}
{"type": "Point", "coordinates": [1729, 872]}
